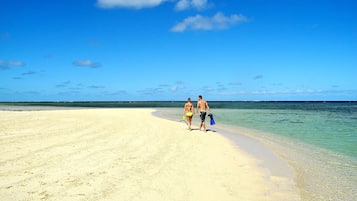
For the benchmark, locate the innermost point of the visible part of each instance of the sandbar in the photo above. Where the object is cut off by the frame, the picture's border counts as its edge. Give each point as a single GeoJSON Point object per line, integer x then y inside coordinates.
{"type": "Point", "coordinates": [124, 154]}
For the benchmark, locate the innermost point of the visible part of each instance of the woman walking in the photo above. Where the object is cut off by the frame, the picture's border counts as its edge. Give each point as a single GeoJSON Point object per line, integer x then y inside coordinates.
{"type": "Point", "coordinates": [188, 110]}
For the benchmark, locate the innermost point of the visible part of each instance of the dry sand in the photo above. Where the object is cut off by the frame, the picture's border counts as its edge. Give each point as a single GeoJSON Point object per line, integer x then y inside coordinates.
{"type": "Point", "coordinates": [124, 154]}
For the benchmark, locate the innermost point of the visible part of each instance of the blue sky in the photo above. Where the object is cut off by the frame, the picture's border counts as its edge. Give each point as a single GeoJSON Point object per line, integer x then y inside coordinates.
{"type": "Point", "coordinates": [72, 50]}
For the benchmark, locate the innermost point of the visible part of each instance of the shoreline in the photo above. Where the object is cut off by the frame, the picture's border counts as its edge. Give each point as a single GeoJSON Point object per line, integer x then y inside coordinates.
{"type": "Point", "coordinates": [254, 147]}
{"type": "Point", "coordinates": [313, 171]}
{"type": "Point", "coordinates": [38, 108]}
{"type": "Point", "coordinates": [268, 160]}
{"type": "Point", "coordinates": [103, 154]}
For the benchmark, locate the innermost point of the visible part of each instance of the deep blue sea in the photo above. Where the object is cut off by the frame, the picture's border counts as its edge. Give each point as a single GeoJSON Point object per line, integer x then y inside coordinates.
{"type": "Point", "coordinates": [317, 139]}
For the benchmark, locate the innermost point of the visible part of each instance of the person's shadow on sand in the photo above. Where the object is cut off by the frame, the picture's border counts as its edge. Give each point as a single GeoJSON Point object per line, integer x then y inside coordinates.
{"type": "Point", "coordinates": [207, 130]}
{"type": "Point", "coordinates": [197, 129]}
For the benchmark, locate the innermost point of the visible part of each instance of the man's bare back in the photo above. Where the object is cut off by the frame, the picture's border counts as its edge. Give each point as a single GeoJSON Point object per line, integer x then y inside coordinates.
{"type": "Point", "coordinates": [202, 104]}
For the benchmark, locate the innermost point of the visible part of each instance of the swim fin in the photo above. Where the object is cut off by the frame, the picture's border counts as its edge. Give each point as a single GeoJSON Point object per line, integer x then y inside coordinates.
{"type": "Point", "coordinates": [212, 122]}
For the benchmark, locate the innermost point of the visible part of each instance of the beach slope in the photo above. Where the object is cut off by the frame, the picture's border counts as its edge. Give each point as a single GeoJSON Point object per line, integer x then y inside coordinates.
{"type": "Point", "coordinates": [123, 154]}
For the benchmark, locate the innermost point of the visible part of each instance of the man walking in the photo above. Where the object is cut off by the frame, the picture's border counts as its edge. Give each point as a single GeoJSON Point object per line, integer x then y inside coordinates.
{"type": "Point", "coordinates": [202, 105]}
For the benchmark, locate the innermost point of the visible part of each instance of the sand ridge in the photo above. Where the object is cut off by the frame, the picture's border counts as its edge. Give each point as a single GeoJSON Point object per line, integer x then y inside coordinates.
{"type": "Point", "coordinates": [123, 154]}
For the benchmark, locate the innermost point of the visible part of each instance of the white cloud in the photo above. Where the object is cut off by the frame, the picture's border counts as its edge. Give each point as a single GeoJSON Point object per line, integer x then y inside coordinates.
{"type": "Point", "coordinates": [151, 91]}
{"type": "Point", "coordinates": [119, 93]}
{"type": "Point", "coordinates": [96, 87]}
{"type": "Point", "coordinates": [137, 4]}
{"type": "Point", "coordinates": [187, 4]}
{"type": "Point", "coordinates": [63, 84]}
{"type": "Point", "coordinates": [86, 63]}
{"type": "Point", "coordinates": [16, 63]}
{"type": "Point", "coordinates": [176, 88]}
{"type": "Point", "coordinates": [235, 83]}
{"type": "Point", "coordinates": [6, 65]}
{"type": "Point", "coordinates": [275, 92]}
{"type": "Point", "coordinates": [29, 73]}
{"type": "Point", "coordinates": [217, 22]}
{"type": "Point", "coordinates": [258, 77]}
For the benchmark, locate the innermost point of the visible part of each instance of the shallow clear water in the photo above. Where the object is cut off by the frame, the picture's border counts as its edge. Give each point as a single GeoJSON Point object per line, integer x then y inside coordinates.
{"type": "Point", "coordinates": [329, 130]}
{"type": "Point", "coordinates": [321, 146]}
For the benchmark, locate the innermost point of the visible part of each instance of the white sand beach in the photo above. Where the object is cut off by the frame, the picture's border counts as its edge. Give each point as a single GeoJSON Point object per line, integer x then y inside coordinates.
{"type": "Point", "coordinates": [124, 154]}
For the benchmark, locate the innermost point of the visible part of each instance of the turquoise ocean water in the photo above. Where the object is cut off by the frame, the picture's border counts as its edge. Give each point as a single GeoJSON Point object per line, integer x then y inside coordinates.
{"type": "Point", "coordinates": [317, 139]}
{"type": "Point", "coordinates": [319, 144]}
